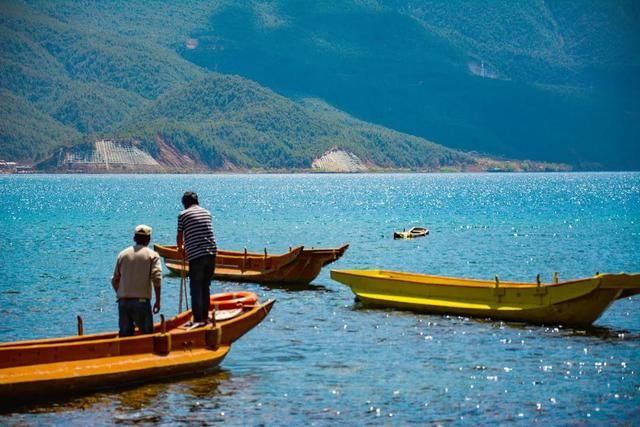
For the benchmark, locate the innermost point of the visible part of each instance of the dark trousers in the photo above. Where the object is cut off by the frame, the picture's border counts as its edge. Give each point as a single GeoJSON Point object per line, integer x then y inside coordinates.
{"type": "Point", "coordinates": [134, 311]}
{"type": "Point", "coordinates": [200, 272]}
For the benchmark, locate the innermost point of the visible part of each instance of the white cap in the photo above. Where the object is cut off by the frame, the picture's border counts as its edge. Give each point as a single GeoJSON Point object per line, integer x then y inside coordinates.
{"type": "Point", "coordinates": [143, 230]}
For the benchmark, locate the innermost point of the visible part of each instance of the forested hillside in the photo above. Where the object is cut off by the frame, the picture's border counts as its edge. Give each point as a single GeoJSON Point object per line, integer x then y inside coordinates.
{"type": "Point", "coordinates": [274, 85]}
{"type": "Point", "coordinates": [554, 80]}
{"type": "Point", "coordinates": [76, 73]}
{"type": "Point", "coordinates": [229, 119]}
{"type": "Point", "coordinates": [76, 79]}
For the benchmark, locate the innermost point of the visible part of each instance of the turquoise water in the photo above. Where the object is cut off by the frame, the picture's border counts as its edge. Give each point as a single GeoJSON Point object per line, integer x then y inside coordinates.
{"type": "Point", "coordinates": [319, 359]}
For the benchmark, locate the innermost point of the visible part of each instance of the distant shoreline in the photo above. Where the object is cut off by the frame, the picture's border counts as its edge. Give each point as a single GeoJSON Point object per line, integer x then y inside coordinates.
{"type": "Point", "coordinates": [310, 172]}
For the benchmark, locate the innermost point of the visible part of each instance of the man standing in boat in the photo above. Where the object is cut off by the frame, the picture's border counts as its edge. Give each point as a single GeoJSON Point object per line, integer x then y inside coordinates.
{"type": "Point", "coordinates": [137, 269]}
{"type": "Point", "coordinates": [196, 241]}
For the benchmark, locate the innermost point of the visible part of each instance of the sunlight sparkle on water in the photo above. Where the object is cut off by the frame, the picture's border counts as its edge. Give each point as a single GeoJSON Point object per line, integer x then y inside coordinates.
{"type": "Point", "coordinates": [483, 225]}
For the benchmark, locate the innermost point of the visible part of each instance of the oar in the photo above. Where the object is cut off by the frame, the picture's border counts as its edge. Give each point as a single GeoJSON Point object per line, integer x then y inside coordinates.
{"type": "Point", "coordinates": [213, 310]}
{"type": "Point", "coordinates": [182, 284]}
{"type": "Point", "coordinates": [184, 275]}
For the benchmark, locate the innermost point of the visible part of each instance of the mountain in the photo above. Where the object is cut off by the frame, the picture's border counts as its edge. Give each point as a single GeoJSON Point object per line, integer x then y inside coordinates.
{"type": "Point", "coordinates": [74, 79]}
{"type": "Point", "coordinates": [556, 80]}
{"type": "Point", "coordinates": [228, 121]}
{"type": "Point", "coordinates": [72, 76]}
{"type": "Point", "coordinates": [278, 85]}
{"type": "Point", "coordinates": [25, 132]}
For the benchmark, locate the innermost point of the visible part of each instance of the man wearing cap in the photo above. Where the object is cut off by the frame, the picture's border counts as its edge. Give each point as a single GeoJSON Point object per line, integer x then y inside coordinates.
{"type": "Point", "coordinates": [195, 238]}
{"type": "Point", "coordinates": [137, 269]}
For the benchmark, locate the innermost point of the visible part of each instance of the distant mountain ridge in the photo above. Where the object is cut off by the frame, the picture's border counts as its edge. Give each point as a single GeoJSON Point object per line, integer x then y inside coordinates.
{"type": "Point", "coordinates": [132, 71]}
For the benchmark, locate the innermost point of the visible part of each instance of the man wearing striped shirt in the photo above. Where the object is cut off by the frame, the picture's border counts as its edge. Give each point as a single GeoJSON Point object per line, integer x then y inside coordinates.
{"type": "Point", "coordinates": [196, 240]}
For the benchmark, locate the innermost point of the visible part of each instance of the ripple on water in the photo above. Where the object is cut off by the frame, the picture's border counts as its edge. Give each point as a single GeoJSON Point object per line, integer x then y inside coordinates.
{"type": "Point", "coordinates": [319, 358]}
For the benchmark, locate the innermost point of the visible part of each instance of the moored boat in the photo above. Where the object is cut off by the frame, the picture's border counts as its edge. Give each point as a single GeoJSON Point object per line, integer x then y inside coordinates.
{"type": "Point", "coordinates": [308, 265]}
{"type": "Point", "coordinates": [47, 367]}
{"type": "Point", "coordinates": [168, 252]}
{"type": "Point", "coordinates": [248, 267]}
{"type": "Point", "coordinates": [573, 303]}
{"type": "Point", "coordinates": [412, 233]}
{"type": "Point", "coordinates": [229, 265]}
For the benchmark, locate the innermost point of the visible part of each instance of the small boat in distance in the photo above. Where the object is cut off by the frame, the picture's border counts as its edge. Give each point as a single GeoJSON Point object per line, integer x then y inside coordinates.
{"type": "Point", "coordinates": [576, 302]}
{"type": "Point", "coordinates": [55, 367]}
{"type": "Point", "coordinates": [412, 233]}
{"type": "Point", "coordinates": [237, 266]}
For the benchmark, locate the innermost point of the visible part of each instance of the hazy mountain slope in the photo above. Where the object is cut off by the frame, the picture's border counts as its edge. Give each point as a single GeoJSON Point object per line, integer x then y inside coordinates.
{"type": "Point", "coordinates": [548, 80]}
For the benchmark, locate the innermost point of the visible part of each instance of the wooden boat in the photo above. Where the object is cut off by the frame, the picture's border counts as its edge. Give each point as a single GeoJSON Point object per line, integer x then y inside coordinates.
{"type": "Point", "coordinates": [168, 252]}
{"type": "Point", "coordinates": [412, 233]}
{"type": "Point", "coordinates": [573, 303]}
{"type": "Point", "coordinates": [229, 265]}
{"type": "Point", "coordinates": [308, 265]}
{"type": "Point", "coordinates": [254, 268]}
{"type": "Point", "coordinates": [50, 367]}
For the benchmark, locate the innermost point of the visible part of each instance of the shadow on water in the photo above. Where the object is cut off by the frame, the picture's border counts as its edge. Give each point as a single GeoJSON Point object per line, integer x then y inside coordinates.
{"type": "Point", "coordinates": [602, 332]}
{"type": "Point", "coordinates": [128, 397]}
{"type": "Point", "coordinates": [295, 288]}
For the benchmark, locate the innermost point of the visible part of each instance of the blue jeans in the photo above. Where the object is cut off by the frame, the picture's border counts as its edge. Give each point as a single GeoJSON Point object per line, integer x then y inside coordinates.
{"type": "Point", "coordinates": [200, 272]}
{"type": "Point", "coordinates": [134, 311]}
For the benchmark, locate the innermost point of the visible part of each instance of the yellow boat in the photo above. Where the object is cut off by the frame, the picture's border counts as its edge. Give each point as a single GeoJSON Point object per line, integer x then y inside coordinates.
{"type": "Point", "coordinates": [59, 366]}
{"type": "Point", "coordinates": [573, 303]}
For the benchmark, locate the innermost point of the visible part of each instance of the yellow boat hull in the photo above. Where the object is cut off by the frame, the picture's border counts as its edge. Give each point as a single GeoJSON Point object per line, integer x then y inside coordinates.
{"type": "Point", "coordinates": [572, 303]}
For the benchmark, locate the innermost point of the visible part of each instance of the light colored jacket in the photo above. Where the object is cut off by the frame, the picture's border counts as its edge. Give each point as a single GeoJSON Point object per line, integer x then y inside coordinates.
{"type": "Point", "coordinates": [137, 268]}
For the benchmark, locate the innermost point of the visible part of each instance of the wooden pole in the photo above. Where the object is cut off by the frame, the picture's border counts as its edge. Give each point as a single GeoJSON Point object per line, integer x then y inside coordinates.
{"type": "Point", "coordinates": [182, 272]}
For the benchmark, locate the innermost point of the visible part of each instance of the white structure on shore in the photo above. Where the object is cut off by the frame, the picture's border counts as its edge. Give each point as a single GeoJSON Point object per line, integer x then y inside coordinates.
{"type": "Point", "coordinates": [107, 154]}
{"type": "Point", "coordinates": [336, 160]}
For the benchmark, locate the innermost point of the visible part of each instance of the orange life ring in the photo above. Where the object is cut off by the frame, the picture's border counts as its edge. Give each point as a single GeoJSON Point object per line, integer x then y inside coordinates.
{"type": "Point", "coordinates": [231, 300]}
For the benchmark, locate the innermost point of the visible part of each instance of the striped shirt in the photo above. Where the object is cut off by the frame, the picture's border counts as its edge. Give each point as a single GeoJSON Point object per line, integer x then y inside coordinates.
{"type": "Point", "coordinates": [196, 225]}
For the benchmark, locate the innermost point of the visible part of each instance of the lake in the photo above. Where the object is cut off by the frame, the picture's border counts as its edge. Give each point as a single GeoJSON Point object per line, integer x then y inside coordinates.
{"type": "Point", "coordinates": [319, 358]}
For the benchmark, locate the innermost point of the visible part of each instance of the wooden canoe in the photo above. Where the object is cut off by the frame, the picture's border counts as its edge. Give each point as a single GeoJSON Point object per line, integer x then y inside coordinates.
{"type": "Point", "coordinates": [49, 367]}
{"type": "Point", "coordinates": [168, 252]}
{"type": "Point", "coordinates": [308, 265]}
{"type": "Point", "coordinates": [256, 268]}
{"type": "Point", "coordinates": [301, 270]}
{"type": "Point", "coordinates": [573, 303]}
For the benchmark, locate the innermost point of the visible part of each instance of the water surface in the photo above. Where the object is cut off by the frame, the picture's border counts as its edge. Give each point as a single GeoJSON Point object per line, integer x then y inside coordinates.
{"type": "Point", "coordinates": [319, 358]}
